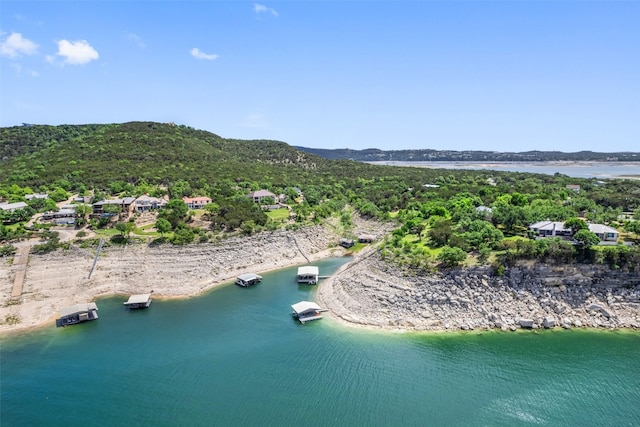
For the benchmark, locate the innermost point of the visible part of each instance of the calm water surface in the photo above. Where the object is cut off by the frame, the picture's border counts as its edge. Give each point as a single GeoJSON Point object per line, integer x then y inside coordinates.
{"type": "Point", "coordinates": [235, 357]}
{"type": "Point", "coordinates": [600, 170]}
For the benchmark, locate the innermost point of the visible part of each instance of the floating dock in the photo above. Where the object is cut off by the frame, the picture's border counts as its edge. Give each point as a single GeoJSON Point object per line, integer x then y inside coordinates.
{"type": "Point", "coordinates": [308, 274]}
{"type": "Point", "coordinates": [248, 279]}
{"type": "Point", "coordinates": [306, 311]}
{"type": "Point", "coordinates": [138, 301]}
{"type": "Point", "coordinates": [77, 313]}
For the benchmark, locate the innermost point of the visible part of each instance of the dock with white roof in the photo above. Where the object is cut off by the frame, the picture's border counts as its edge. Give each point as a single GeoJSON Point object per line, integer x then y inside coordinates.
{"type": "Point", "coordinates": [138, 301]}
{"type": "Point", "coordinates": [308, 274]}
{"type": "Point", "coordinates": [77, 313]}
{"type": "Point", "coordinates": [305, 311]}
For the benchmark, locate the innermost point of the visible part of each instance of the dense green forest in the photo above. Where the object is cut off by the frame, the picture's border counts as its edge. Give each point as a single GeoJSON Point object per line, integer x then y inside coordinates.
{"type": "Point", "coordinates": [436, 209]}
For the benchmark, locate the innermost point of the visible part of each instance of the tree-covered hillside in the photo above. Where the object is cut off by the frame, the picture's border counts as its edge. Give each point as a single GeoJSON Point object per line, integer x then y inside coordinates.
{"type": "Point", "coordinates": [437, 208]}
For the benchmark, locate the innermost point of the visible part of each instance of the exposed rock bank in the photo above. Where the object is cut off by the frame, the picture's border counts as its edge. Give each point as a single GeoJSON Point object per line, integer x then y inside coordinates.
{"type": "Point", "coordinates": [371, 292]}
{"type": "Point", "coordinates": [60, 278]}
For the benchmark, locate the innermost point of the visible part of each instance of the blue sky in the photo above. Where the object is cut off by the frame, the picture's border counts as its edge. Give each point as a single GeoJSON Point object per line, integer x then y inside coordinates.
{"type": "Point", "coordinates": [476, 75]}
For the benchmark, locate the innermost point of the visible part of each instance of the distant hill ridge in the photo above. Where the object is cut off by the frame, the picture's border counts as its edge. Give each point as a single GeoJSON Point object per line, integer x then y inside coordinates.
{"type": "Point", "coordinates": [426, 155]}
{"type": "Point", "coordinates": [163, 153]}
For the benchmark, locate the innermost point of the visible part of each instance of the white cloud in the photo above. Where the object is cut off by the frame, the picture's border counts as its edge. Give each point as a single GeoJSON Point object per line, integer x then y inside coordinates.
{"type": "Point", "coordinates": [20, 71]}
{"type": "Point", "coordinates": [197, 53]}
{"type": "Point", "coordinates": [16, 45]}
{"type": "Point", "coordinates": [136, 39]}
{"type": "Point", "coordinates": [260, 8]}
{"type": "Point", "coordinates": [76, 53]}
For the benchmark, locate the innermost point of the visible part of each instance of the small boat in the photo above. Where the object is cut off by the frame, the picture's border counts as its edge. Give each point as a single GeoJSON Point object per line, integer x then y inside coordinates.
{"type": "Point", "coordinates": [306, 311]}
{"type": "Point", "coordinates": [138, 301]}
{"type": "Point", "coordinates": [77, 313]}
{"type": "Point", "coordinates": [248, 279]}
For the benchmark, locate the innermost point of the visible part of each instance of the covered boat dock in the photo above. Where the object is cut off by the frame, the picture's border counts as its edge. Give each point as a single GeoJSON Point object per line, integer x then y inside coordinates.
{"type": "Point", "coordinates": [308, 274]}
{"type": "Point", "coordinates": [77, 313]}
{"type": "Point", "coordinates": [306, 311]}
{"type": "Point", "coordinates": [138, 301]}
{"type": "Point", "coordinates": [248, 279]}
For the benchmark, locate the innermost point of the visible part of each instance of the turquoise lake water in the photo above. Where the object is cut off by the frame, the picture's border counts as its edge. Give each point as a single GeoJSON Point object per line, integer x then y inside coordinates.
{"type": "Point", "coordinates": [235, 357]}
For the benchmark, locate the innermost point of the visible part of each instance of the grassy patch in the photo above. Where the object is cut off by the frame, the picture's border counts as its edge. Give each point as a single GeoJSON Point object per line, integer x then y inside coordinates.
{"type": "Point", "coordinates": [106, 232]}
{"type": "Point", "coordinates": [281, 214]}
{"type": "Point", "coordinates": [142, 231]}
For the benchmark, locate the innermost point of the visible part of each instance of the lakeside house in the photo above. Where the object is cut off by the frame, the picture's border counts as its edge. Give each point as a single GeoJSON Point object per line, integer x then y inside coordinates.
{"type": "Point", "coordinates": [65, 215]}
{"type": "Point", "coordinates": [574, 187]}
{"type": "Point", "coordinates": [545, 229]}
{"type": "Point", "coordinates": [146, 203]}
{"type": "Point", "coordinates": [11, 207]}
{"type": "Point", "coordinates": [260, 195]}
{"type": "Point", "coordinates": [126, 205]}
{"type": "Point", "coordinates": [36, 196]}
{"type": "Point", "coordinates": [196, 202]}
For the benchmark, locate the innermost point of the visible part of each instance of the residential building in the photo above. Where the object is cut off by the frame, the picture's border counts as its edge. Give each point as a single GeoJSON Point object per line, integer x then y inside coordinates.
{"type": "Point", "coordinates": [260, 195]}
{"type": "Point", "coordinates": [126, 204]}
{"type": "Point", "coordinates": [197, 202]}
{"type": "Point", "coordinates": [147, 203]}
{"type": "Point", "coordinates": [557, 229]}
{"type": "Point", "coordinates": [10, 207]}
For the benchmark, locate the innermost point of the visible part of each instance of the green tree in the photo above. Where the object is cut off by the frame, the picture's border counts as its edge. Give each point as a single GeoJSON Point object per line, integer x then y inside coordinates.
{"type": "Point", "coordinates": [163, 226]}
{"type": "Point", "coordinates": [586, 238]}
{"type": "Point", "coordinates": [83, 210]}
{"type": "Point", "coordinates": [175, 212]}
{"type": "Point", "coordinates": [125, 228]}
{"type": "Point", "coordinates": [183, 235]}
{"type": "Point", "coordinates": [112, 208]}
{"type": "Point", "coordinates": [633, 227]}
{"type": "Point", "coordinates": [451, 256]}
{"type": "Point", "coordinates": [576, 224]}
{"type": "Point", "coordinates": [212, 210]}
{"type": "Point", "coordinates": [180, 188]}
{"type": "Point", "coordinates": [59, 195]}
{"type": "Point", "coordinates": [440, 231]}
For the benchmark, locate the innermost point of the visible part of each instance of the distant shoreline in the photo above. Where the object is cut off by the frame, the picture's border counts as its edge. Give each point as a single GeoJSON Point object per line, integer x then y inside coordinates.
{"type": "Point", "coordinates": [574, 169]}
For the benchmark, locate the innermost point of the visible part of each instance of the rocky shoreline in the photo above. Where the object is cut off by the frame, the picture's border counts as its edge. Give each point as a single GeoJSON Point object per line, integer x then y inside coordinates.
{"type": "Point", "coordinates": [60, 278]}
{"type": "Point", "coordinates": [367, 291]}
{"type": "Point", "coordinates": [372, 293]}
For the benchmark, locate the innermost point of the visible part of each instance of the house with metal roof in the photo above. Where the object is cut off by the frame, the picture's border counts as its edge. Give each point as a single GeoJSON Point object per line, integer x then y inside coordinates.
{"type": "Point", "coordinates": [604, 232]}
{"type": "Point", "coordinates": [557, 229]}
{"type": "Point", "coordinates": [10, 207]}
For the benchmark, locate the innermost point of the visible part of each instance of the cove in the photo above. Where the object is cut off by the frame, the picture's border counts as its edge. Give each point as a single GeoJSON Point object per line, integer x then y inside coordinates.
{"type": "Point", "coordinates": [234, 356]}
